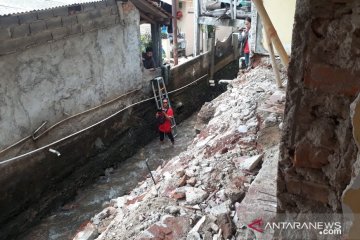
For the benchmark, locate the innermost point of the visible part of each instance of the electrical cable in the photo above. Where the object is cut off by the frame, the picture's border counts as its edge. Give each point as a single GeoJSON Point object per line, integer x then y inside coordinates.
{"type": "Point", "coordinates": [64, 120]}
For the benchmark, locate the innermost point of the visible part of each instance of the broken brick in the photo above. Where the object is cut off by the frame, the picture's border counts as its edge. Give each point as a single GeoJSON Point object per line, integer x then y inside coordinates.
{"type": "Point", "coordinates": [178, 195]}
{"type": "Point", "coordinates": [309, 156]}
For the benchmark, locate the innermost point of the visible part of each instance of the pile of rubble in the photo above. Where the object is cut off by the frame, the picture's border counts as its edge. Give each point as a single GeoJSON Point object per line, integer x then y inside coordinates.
{"type": "Point", "coordinates": [208, 191]}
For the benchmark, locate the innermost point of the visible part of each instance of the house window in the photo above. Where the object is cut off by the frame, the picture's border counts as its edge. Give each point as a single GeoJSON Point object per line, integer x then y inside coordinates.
{"type": "Point", "coordinates": [74, 9]}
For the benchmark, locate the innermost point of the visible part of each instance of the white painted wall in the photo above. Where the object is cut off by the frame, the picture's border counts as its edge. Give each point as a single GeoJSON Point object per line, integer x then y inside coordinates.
{"type": "Point", "coordinates": [282, 19]}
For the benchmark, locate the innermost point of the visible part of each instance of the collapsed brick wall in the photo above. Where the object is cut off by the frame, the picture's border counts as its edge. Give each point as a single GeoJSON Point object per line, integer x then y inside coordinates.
{"type": "Point", "coordinates": [318, 150]}
{"type": "Point", "coordinates": [25, 30]}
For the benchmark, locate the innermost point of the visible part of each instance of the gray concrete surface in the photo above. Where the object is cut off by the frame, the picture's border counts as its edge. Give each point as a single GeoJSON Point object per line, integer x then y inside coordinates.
{"type": "Point", "coordinates": [64, 77]}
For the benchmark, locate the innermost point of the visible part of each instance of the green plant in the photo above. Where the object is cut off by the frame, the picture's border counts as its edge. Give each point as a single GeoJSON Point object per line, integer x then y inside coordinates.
{"type": "Point", "coordinates": [211, 30]}
{"type": "Point", "coordinates": [145, 41]}
{"type": "Point", "coordinates": [164, 35]}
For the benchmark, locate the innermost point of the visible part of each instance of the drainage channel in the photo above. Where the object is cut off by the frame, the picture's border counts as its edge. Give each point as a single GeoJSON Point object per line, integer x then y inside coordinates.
{"type": "Point", "coordinates": [64, 222]}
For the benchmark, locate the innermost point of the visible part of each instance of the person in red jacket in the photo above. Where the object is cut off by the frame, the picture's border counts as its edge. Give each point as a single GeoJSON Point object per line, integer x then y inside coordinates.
{"type": "Point", "coordinates": [164, 117]}
{"type": "Point", "coordinates": [247, 45]}
{"type": "Point", "coordinates": [244, 44]}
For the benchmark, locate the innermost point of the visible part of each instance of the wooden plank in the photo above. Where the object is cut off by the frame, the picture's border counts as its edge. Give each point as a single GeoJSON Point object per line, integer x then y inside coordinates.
{"type": "Point", "coordinates": [221, 22]}
{"type": "Point", "coordinates": [147, 18]}
{"type": "Point", "coordinates": [273, 61]}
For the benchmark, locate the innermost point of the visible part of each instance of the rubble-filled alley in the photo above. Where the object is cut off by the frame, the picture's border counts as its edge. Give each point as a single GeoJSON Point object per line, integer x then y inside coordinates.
{"type": "Point", "coordinates": [224, 180]}
{"type": "Point", "coordinates": [271, 158]}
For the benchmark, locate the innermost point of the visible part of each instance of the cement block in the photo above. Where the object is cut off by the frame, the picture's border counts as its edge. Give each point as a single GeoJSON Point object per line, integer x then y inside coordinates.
{"type": "Point", "coordinates": [13, 45]}
{"type": "Point", "coordinates": [54, 22]}
{"type": "Point", "coordinates": [37, 26]}
{"type": "Point", "coordinates": [105, 11]}
{"type": "Point", "coordinates": [36, 39]}
{"type": "Point", "coordinates": [69, 20]}
{"type": "Point", "coordinates": [88, 26]}
{"type": "Point", "coordinates": [101, 4]}
{"type": "Point", "coordinates": [60, 33]}
{"type": "Point", "coordinates": [87, 7]}
{"type": "Point", "coordinates": [75, 29]}
{"type": "Point", "coordinates": [46, 14]}
{"type": "Point", "coordinates": [60, 12]}
{"type": "Point", "coordinates": [110, 2]}
{"type": "Point", "coordinates": [88, 16]}
{"type": "Point", "coordinates": [27, 18]}
{"type": "Point", "coordinates": [20, 31]}
{"type": "Point", "coordinates": [6, 21]}
{"type": "Point", "coordinates": [41, 37]}
{"type": "Point", "coordinates": [8, 46]}
{"type": "Point", "coordinates": [84, 17]}
{"type": "Point", "coordinates": [5, 33]}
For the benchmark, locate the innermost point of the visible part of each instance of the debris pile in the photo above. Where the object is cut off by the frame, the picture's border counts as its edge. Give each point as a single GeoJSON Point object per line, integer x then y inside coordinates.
{"type": "Point", "coordinates": [207, 191]}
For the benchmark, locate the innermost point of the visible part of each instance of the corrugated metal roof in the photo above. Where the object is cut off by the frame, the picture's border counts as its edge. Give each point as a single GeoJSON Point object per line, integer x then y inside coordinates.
{"type": "Point", "coordinates": [8, 7]}
{"type": "Point", "coordinates": [167, 1]}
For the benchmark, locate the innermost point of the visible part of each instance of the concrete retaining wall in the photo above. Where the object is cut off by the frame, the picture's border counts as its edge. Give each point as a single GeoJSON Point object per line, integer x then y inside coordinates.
{"type": "Point", "coordinates": [48, 77]}
{"type": "Point", "coordinates": [37, 183]}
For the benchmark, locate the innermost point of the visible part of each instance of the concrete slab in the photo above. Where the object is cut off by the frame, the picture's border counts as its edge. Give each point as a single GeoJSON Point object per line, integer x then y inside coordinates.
{"type": "Point", "coordinates": [259, 204]}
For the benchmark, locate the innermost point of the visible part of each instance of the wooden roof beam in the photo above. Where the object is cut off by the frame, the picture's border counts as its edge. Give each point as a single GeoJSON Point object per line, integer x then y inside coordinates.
{"type": "Point", "coordinates": [147, 18]}
{"type": "Point", "coordinates": [144, 6]}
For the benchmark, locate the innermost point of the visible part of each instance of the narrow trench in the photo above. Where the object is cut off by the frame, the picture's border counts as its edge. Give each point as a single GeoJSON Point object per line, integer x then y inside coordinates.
{"type": "Point", "coordinates": [63, 223]}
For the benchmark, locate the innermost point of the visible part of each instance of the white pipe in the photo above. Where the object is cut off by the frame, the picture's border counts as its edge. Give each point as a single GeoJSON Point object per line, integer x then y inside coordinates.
{"type": "Point", "coordinates": [225, 81]}
{"type": "Point", "coordinates": [54, 151]}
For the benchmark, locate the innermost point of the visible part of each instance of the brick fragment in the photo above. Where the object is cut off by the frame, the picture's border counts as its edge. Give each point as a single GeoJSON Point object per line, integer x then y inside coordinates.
{"type": "Point", "coordinates": [332, 80]}
{"type": "Point", "coordinates": [309, 156]}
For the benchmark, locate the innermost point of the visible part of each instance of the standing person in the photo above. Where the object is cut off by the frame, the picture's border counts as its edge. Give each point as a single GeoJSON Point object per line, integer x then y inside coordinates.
{"type": "Point", "coordinates": [244, 44]}
{"type": "Point", "coordinates": [148, 59]}
{"type": "Point", "coordinates": [247, 45]}
{"type": "Point", "coordinates": [164, 117]}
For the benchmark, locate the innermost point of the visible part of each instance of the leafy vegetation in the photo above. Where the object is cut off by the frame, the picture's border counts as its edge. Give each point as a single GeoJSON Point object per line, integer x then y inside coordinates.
{"type": "Point", "coordinates": [145, 41]}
